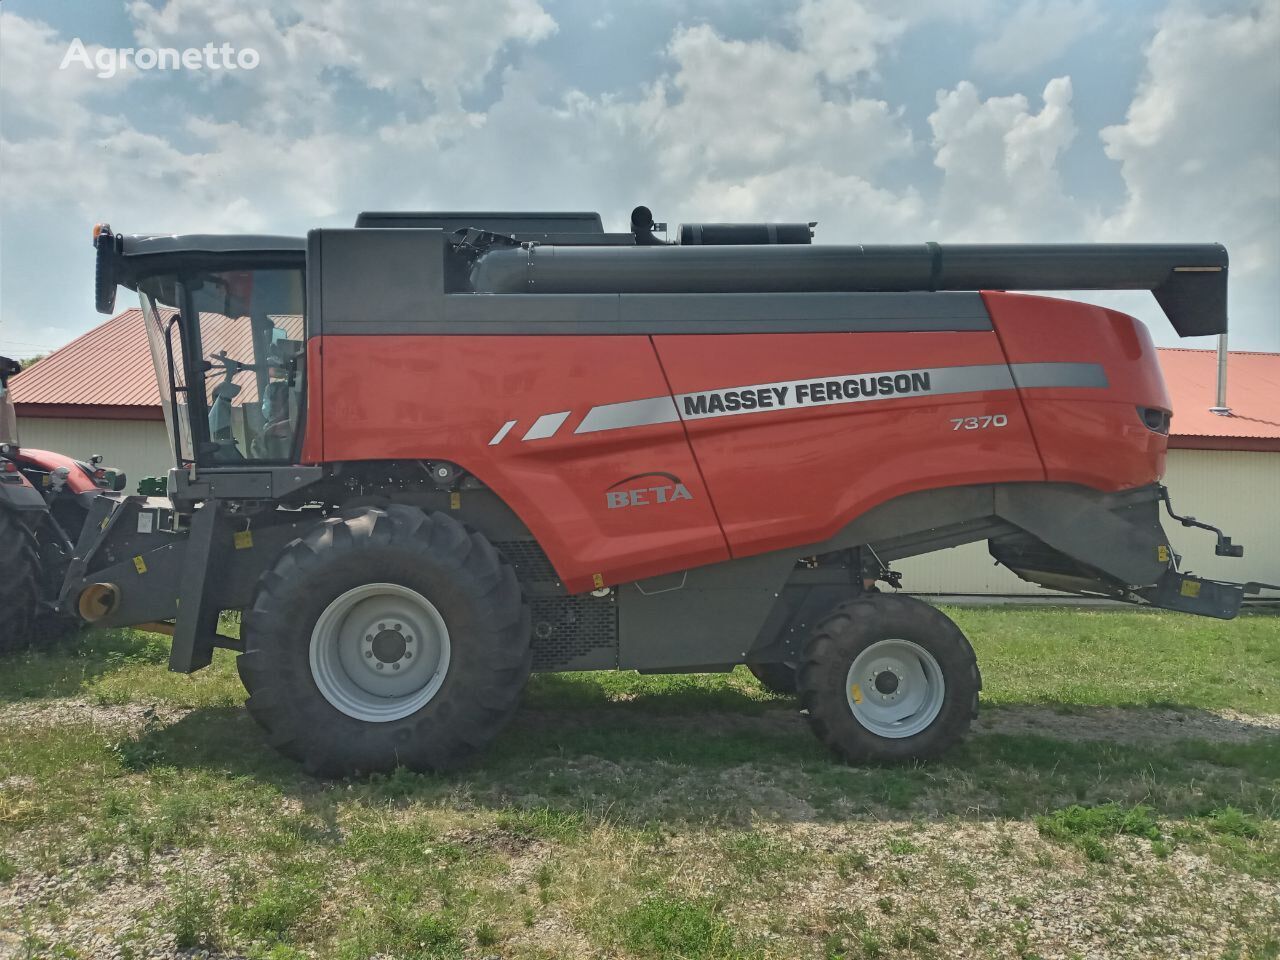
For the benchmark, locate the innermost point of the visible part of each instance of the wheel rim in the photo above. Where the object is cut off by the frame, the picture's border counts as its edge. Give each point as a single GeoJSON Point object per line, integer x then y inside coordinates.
{"type": "Point", "coordinates": [380, 652]}
{"type": "Point", "coordinates": [895, 688]}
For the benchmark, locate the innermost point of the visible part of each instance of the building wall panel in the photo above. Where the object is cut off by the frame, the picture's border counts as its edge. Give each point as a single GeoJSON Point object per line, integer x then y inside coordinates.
{"type": "Point", "coordinates": [139, 447]}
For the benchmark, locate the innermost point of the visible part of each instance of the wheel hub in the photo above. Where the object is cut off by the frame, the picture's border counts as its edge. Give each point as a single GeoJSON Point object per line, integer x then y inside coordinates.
{"type": "Point", "coordinates": [379, 652]}
{"type": "Point", "coordinates": [389, 646]}
{"type": "Point", "coordinates": [895, 688]}
{"type": "Point", "coordinates": [887, 681]}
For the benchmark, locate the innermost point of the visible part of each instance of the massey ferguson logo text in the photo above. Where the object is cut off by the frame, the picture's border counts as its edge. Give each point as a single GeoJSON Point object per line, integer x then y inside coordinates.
{"type": "Point", "coordinates": [803, 393]}
{"type": "Point", "coordinates": [646, 488]}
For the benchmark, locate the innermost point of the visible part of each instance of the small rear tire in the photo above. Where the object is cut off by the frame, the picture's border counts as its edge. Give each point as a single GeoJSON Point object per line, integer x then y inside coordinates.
{"type": "Point", "coordinates": [889, 678]}
{"type": "Point", "coordinates": [385, 637]}
{"type": "Point", "coordinates": [779, 678]}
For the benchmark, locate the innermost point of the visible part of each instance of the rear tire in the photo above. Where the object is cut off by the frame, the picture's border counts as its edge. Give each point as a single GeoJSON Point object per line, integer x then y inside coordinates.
{"type": "Point", "coordinates": [779, 678]}
{"type": "Point", "coordinates": [366, 591]}
{"type": "Point", "coordinates": [889, 678]}
{"type": "Point", "coordinates": [19, 584]}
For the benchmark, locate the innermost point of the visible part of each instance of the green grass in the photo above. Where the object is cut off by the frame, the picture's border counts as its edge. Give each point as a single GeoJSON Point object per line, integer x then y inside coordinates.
{"type": "Point", "coordinates": [687, 816]}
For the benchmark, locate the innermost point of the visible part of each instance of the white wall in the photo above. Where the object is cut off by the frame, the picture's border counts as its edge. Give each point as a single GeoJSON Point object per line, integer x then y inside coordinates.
{"type": "Point", "coordinates": [1237, 491]}
{"type": "Point", "coordinates": [139, 447]}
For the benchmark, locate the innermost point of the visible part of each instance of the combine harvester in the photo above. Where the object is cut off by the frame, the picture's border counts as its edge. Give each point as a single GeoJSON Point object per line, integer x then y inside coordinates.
{"type": "Point", "coordinates": [431, 453]}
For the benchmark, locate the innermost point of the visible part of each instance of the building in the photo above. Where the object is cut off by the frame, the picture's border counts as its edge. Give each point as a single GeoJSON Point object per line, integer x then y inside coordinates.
{"type": "Point", "coordinates": [98, 394]}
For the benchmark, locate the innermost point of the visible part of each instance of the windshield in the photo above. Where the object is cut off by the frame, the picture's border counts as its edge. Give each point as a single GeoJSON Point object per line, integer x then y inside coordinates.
{"type": "Point", "coordinates": [242, 398]}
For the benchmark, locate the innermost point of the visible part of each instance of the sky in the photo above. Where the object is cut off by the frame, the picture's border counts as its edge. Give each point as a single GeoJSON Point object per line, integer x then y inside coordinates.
{"type": "Point", "coordinates": [980, 121]}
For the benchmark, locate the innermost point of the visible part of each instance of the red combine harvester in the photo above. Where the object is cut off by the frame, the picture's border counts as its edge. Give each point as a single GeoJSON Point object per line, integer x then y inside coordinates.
{"type": "Point", "coordinates": [433, 452]}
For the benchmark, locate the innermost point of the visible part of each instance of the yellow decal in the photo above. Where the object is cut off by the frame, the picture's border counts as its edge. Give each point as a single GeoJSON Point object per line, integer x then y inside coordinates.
{"type": "Point", "coordinates": [597, 580]}
{"type": "Point", "coordinates": [140, 565]}
{"type": "Point", "coordinates": [1190, 588]}
{"type": "Point", "coordinates": [244, 540]}
{"type": "Point", "coordinates": [1162, 553]}
{"type": "Point", "coordinates": [455, 501]}
{"type": "Point", "coordinates": [855, 691]}
{"type": "Point", "coordinates": [105, 521]}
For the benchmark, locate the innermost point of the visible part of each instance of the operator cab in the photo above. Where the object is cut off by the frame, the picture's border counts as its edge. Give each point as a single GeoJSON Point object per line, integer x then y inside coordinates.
{"type": "Point", "coordinates": [225, 324]}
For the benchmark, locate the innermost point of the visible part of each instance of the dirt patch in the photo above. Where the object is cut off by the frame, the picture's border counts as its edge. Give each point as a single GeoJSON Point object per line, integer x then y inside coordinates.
{"type": "Point", "coordinates": [1129, 724]}
{"type": "Point", "coordinates": [70, 712]}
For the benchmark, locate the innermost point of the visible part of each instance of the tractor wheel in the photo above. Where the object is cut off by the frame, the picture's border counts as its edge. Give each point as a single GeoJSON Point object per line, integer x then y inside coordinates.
{"type": "Point", "coordinates": [889, 678]}
{"type": "Point", "coordinates": [19, 584]}
{"type": "Point", "coordinates": [779, 678]}
{"type": "Point", "coordinates": [385, 637]}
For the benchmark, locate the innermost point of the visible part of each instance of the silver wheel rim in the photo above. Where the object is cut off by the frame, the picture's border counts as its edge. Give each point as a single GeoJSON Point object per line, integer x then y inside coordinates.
{"type": "Point", "coordinates": [380, 652]}
{"type": "Point", "coordinates": [895, 688]}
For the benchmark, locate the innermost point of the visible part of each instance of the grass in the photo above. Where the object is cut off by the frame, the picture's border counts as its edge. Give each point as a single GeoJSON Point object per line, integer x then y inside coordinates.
{"type": "Point", "coordinates": [645, 817]}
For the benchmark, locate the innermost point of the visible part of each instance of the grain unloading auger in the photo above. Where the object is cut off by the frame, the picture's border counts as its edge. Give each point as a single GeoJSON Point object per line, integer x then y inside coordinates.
{"type": "Point", "coordinates": [433, 452]}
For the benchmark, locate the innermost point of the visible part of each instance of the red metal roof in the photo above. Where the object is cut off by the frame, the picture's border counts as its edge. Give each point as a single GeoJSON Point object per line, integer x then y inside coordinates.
{"type": "Point", "coordinates": [107, 372]}
{"type": "Point", "coordinates": [1253, 396]}
{"type": "Point", "coordinates": [110, 366]}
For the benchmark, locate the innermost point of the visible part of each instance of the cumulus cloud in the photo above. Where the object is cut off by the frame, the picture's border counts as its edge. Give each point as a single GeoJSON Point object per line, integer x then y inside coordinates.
{"type": "Point", "coordinates": [1037, 33]}
{"type": "Point", "coordinates": [1001, 162]}
{"type": "Point", "coordinates": [1199, 150]}
{"type": "Point", "coordinates": [793, 124]}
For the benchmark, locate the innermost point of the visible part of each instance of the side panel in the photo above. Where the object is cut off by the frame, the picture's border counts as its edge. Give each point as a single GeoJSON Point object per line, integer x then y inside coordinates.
{"type": "Point", "coordinates": [784, 477]}
{"type": "Point", "coordinates": [621, 504]}
{"type": "Point", "coordinates": [1087, 435]}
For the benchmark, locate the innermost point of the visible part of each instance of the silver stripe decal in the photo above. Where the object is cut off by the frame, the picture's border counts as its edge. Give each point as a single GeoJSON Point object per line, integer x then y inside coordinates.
{"type": "Point", "coordinates": [546, 425]}
{"type": "Point", "coordinates": [629, 413]}
{"type": "Point", "coordinates": [818, 392]}
{"type": "Point", "coordinates": [506, 428]}
{"type": "Point", "coordinates": [1058, 375]}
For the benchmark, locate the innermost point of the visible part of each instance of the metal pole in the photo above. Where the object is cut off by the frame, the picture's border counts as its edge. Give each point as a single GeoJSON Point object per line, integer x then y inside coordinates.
{"type": "Point", "coordinates": [1221, 409]}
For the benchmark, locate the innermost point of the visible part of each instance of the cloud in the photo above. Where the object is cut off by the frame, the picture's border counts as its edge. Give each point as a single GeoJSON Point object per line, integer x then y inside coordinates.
{"type": "Point", "coordinates": [1199, 150]}
{"type": "Point", "coordinates": [442, 48]}
{"type": "Point", "coordinates": [1037, 33]}
{"type": "Point", "coordinates": [789, 124]}
{"type": "Point", "coordinates": [1000, 162]}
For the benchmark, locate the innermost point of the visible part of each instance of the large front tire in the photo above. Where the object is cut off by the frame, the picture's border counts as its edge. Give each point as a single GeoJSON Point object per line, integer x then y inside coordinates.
{"type": "Point", "coordinates": [889, 678]}
{"type": "Point", "coordinates": [384, 638]}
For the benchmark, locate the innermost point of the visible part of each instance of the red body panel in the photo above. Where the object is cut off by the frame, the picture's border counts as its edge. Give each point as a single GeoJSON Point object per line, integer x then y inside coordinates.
{"type": "Point", "coordinates": [797, 476]}
{"type": "Point", "coordinates": [1087, 436]}
{"type": "Point", "coordinates": [698, 490]}
{"type": "Point", "coordinates": [417, 397]}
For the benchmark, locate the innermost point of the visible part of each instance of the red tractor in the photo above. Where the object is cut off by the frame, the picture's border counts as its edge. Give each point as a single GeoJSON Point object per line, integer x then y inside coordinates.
{"type": "Point", "coordinates": [44, 498]}
{"type": "Point", "coordinates": [433, 452]}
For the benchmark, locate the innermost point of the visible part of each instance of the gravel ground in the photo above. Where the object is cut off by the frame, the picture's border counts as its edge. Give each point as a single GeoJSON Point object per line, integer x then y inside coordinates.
{"type": "Point", "coordinates": [1173, 906]}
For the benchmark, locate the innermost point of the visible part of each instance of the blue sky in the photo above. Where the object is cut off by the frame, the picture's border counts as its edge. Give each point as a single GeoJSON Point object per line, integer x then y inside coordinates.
{"type": "Point", "coordinates": [992, 120]}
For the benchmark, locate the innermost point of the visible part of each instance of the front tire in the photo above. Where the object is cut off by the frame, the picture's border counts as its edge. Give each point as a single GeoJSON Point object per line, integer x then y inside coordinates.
{"type": "Point", "coordinates": [386, 637]}
{"type": "Point", "coordinates": [889, 678]}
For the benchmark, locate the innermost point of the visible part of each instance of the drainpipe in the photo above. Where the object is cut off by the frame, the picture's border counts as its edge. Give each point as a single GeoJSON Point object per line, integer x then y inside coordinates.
{"type": "Point", "coordinates": [1221, 408]}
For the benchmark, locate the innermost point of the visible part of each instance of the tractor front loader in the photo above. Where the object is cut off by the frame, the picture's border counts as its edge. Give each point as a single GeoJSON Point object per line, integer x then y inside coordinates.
{"type": "Point", "coordinates": [431, 453]}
